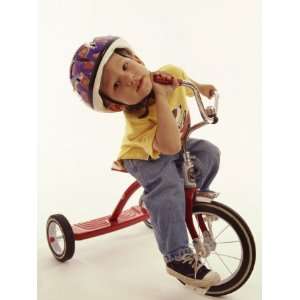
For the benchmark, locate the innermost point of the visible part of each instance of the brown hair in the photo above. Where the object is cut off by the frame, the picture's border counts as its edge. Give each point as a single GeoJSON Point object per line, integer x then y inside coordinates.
{"type": "Point", "coordinates": [141, 108]}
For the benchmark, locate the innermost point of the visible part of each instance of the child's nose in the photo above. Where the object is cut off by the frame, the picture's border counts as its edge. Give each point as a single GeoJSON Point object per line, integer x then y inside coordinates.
{"type": "Point", "coordinates": [131, 80]}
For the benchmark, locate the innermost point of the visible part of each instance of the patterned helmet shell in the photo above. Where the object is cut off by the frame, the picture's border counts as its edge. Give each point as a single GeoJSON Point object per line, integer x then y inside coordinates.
{"type": "Point", "coordinates": [87, 67]}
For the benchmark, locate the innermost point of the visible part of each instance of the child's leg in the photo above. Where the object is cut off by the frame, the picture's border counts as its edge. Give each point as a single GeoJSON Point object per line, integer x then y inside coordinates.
{"type": "Point", "coordinates": [164, 198]}
{"type": "Point", "coordinates": [206, 163]}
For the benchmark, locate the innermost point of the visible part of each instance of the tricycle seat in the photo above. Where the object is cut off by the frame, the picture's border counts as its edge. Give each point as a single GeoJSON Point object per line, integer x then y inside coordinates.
{"type": "Point", "coordinates": [118, 166]}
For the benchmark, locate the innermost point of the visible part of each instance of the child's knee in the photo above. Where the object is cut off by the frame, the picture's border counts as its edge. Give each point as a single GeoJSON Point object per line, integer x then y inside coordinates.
{"type": "Point", "coordinates": [212, 149]}
{"type": "Point", "coordinates": [215, 155]}
{"type": "Point", "coordinates": [207, 156]}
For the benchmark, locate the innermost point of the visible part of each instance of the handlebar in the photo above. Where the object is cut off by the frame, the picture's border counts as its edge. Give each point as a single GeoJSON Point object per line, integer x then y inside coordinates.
{"type": "Point", "coordinates": [205, 117]}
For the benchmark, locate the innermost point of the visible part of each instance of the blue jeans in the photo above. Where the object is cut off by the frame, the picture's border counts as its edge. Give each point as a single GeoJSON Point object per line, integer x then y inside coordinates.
{"type": "Point", "coordinates": [164, 195]}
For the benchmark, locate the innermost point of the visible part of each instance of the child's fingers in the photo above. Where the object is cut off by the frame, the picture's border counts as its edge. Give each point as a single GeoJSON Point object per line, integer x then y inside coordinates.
{"type": "Point", "coordinates": [176, 82]}
{"type": "Point", "coordinates": [163, 78]}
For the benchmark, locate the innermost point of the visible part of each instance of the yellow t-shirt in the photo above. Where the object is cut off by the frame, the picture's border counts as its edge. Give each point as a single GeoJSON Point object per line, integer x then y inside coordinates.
{"type": "Point", "coordinates": [139, 134]}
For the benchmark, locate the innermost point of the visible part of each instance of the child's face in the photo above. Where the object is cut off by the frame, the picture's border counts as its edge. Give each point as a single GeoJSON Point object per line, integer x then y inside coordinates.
{"type": "Point", "coordinates": [125, 80]}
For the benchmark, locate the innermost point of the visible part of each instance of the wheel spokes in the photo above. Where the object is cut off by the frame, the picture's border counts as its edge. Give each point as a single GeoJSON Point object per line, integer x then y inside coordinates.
{"type": "Point", "coordinates": [221, 232]}
{"type": "Point", "coordinates": [230, 242]}
{"type": "Point", "coordinates": [223, 263]}
{"type": "Point", "coordinates": [220, 254]}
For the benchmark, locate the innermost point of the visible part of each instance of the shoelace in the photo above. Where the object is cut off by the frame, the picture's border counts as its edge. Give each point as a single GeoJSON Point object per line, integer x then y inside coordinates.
{"type": "Point", "coordinates": [194, 260]}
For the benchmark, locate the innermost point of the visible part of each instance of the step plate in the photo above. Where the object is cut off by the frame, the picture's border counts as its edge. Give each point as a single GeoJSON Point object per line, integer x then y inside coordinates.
{"type": "Point", "coordinates": [103, 225]}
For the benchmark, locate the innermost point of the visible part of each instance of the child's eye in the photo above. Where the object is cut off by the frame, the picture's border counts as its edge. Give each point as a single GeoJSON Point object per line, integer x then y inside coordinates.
{"type": "Point", "coordinates": [125, 66]}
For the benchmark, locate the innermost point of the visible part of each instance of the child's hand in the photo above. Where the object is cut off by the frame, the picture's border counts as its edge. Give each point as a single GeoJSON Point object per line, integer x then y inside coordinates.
{"type": "Point", "coordinates": [164, 90]}
{"type": "Point", "coordinates": [207, 90]}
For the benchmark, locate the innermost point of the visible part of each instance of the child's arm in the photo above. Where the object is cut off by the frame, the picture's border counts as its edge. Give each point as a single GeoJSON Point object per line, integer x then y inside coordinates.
{"type": "Point", "coordinates": [167, 139]}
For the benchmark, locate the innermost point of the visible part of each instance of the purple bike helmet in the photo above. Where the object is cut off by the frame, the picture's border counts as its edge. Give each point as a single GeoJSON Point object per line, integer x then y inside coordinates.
{"type": "Point", "coordinates": [87, 67]}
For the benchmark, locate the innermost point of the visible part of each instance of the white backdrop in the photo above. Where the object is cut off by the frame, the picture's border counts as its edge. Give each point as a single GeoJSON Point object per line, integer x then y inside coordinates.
{"type": "Point", "coordinates": [216, 41]}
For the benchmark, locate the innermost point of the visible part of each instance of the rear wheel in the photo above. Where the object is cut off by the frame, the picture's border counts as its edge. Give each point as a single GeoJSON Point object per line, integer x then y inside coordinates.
{"type": "Point", "coordinates": [233, 255]}
{"type": "Point", "coordinates": [60, 237]}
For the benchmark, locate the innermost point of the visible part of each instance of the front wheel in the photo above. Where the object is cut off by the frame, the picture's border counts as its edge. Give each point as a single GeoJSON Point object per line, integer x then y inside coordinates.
{"type": "Point", "coordinates": [233, 256]}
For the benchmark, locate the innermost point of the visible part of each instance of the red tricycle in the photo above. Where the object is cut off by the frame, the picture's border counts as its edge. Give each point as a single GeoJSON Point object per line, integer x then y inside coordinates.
{"type": "Point", "coordinates": [219, 235]}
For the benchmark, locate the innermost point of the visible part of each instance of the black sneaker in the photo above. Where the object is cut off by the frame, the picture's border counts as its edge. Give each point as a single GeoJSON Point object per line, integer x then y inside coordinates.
{"type": "Point", "coordinates": [184, 270]}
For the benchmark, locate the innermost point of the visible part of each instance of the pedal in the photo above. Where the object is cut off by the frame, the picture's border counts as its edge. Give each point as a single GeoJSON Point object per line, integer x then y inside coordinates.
{"type": "Point", "coordinates": [206, 196]}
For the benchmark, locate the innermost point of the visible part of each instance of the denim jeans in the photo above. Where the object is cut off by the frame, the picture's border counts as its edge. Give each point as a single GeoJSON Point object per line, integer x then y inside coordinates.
{"type": "Point", "coordinates": [164, 195]}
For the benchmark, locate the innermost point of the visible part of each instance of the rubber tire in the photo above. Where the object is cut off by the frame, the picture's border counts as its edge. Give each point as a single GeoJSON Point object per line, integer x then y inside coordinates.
{"type": "Point", "coordinates": [247, 243]}
{"type": "Point", "coordinates": [67, 231]}
{"type": "Point", "coordinates": [147, 222]}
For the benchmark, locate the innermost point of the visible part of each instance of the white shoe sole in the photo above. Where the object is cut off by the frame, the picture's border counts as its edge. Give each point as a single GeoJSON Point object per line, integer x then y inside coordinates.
{"type": "Point", "coordinates": [210, 279]}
